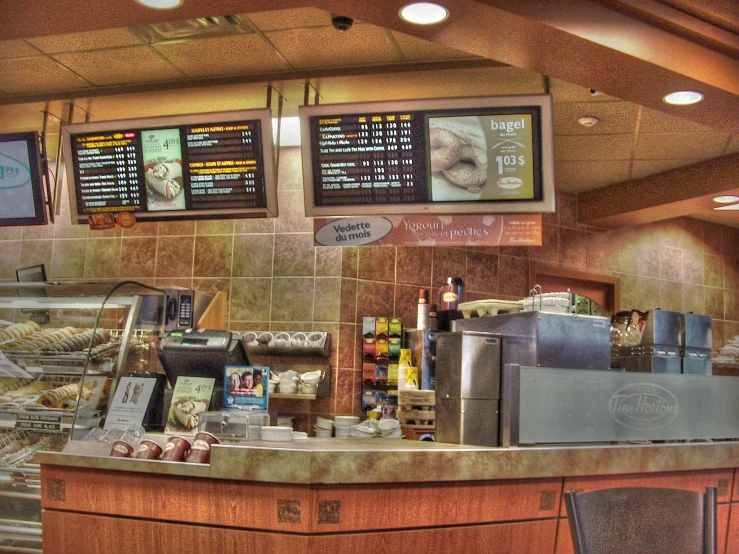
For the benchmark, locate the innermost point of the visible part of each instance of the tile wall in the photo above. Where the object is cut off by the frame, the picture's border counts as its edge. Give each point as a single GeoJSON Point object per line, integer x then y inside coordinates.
{"type": "Point", "coordinates": [277, 280]}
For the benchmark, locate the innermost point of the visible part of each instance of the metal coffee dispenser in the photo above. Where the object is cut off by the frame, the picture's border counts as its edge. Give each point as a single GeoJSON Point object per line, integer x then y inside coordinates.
{"type": "Point", "coordinates": [658, 348]}
{"type": "Point", "coordinates": [469, 362]}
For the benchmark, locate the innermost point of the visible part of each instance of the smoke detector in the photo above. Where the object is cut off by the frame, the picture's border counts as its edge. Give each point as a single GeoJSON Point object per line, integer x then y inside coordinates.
{"type": "Point", "coordinates": [588, 120]}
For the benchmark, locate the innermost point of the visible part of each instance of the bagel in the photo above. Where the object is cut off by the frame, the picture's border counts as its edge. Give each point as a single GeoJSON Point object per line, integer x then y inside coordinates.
{"type": "Point", "coordinates": [471, 171]}
{"type": "Point", "coordinates": [445, 149]}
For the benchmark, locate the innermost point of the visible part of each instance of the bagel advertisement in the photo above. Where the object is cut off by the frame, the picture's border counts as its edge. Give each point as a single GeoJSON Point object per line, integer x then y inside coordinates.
{"type": "Point", "coordinates": [422, 230]}
{"type": "Point", "coordinates": [481, 158]}
{"type": "Point", "coordinates": [490, 155]}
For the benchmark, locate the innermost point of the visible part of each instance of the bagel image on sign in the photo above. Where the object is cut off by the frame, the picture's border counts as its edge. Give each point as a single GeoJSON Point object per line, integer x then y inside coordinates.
{"type": "Point", "coordinates": [163, 169]}
{"type": "Point", "coordinates": [458, 158]}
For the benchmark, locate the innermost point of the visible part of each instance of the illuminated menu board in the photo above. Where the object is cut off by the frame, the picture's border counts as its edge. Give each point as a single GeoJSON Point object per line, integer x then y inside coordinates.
{"type": "Point", "coordinates": [179, 170]}
{"type": "Point", "coordinates": [459, 156]}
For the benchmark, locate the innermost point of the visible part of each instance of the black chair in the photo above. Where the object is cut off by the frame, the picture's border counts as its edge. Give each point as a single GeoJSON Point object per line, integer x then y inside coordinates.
{"type": "Point", "coordinates": [643, 520]}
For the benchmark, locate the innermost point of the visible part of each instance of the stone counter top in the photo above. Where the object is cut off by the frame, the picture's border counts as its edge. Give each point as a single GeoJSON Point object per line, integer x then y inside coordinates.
{"type": "Point", "coordinates": [348, 461]}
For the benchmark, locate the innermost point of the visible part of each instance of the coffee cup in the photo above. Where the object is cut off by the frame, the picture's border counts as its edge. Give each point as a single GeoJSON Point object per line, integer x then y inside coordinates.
{"type": "Point", "coordinates": [200, 450]}
{"type": "Point", "coordinates": [176, 448]}
{"type": "Point", "coordinates": [122, 449]}
{"type": "Point", "coordinates": [148, 449]}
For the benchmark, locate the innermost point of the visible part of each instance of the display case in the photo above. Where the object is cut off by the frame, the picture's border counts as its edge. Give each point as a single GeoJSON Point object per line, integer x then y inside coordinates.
{"type": "Point", "coordinates": [63, 347]}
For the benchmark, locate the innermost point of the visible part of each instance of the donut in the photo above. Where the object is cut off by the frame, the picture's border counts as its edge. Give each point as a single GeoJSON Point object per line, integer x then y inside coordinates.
{"type": "Point", "coordinates": [445, 149]}
{"type": "Point", "coordinates": [471, 171]}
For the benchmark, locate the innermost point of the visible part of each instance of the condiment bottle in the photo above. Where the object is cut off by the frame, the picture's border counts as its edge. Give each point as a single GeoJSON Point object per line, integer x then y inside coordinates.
{"type": "Point", "coordinates": [423, 309]}
{"type": "Point", "coordinates": [450, 296]}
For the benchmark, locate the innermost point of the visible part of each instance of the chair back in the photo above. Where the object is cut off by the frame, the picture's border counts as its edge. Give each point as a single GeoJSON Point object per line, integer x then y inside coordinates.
{"type": "Point", "coordinates": [635, 520]}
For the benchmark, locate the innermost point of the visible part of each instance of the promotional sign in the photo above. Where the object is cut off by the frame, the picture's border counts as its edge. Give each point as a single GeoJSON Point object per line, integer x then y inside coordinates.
{"type": "Point", "coordinates": [190, 398]}
{"type": "Point", "coordinates": [442, 230]}
{"type": "Point", "coordinates": [245, 388]}
{"type": "Point", "coordinates": [130, 402]}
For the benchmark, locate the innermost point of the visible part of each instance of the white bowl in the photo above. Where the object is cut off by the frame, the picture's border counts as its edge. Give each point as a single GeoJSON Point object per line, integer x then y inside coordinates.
{"type": "Point", "coordinates": [324, 423]}
{"type": "Point", "coordinates": [305, 388]}
{"type": "Point", "coordinates": [288, 388]}
{"type": "Point", "coordinates": [277, 434]}
{"type": "Point", "coordinates": [388, 426]}
{"type": "Point", "coordinates": [311, 377]}
{"type": "Point", "coordinates": [323, 433]}
{"type": "Point", "coordinates": [345, 420]}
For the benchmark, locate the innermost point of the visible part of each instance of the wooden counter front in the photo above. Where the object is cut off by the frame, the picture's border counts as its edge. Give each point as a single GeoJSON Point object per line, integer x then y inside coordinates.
{"type": "Point", "coordinates": [140, 506]}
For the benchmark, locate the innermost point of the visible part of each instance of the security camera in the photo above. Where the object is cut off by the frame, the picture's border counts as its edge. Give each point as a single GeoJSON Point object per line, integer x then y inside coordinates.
{"type": "Point", "coordinates": [595, 92]}
{"type": "Point", "coordinates": [341, 22]}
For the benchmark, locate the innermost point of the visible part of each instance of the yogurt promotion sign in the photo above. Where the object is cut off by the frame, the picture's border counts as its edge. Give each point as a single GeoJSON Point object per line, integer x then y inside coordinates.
{"type": "Point", "coordinates": [423, 230]}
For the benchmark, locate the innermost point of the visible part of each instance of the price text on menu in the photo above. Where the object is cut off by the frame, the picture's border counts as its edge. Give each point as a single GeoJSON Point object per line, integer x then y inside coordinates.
{"type": "Point", "coordinates": [223, 168]}
{"type": "Point", "coordinates": [369, 159]}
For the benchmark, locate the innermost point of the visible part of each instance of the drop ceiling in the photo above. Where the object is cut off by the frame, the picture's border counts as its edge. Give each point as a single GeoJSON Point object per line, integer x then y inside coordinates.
{"type": "Point", "coordinates": [614, 60]}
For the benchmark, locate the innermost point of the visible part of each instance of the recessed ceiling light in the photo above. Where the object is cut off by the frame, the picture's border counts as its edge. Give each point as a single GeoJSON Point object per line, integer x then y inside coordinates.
{"type": "Point", "coordinates": [161, 4]}
{"type": "Point", "coordinates": [588, 120]}
{"type": "Point", "coordinates": [727, 199]}
{"type": "Point", "coordinates": [424, 13]}
{"type": "Point", "coordinates": [683, 97]}
{"type": "Point", "coordinates": [734, 207]}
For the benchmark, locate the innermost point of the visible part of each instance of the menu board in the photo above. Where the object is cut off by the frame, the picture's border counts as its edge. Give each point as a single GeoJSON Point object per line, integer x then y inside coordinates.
{"type": "Point", "coordinates": [480, 155]}
{"type": "Point", "coordinates": [21, 187]}
{"type": "Point", "coordinates": [216, 165]}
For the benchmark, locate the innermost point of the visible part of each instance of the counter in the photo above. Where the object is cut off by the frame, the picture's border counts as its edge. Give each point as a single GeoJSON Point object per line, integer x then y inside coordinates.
{"type": "Point", "coordinates": [329, 495]}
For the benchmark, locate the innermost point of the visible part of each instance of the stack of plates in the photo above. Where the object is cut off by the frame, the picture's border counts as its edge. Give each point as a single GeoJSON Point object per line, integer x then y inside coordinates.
{"type": "Point", "coordinates": [343, 426]}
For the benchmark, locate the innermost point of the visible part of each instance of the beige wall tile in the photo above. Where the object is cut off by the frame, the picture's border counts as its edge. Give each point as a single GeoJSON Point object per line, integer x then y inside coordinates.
{"type": "Point", "coordinates": [251, 299]}
{"type": "Point", "coordinates": [256, 225]}
{"type": "Point", "coordinates": [294, 255]}
{"type": "Point", "coordinates": [35, 252]}
{"type": "Point", "coordinates": [670, 263]}
{"type": "Point", "coordinates": [648, 293]}
{"type": "Point", "coordinates": [177, 228]}
{"type": "Point", "coordinates": [694, 299]}
{"type": "Point", "coordinates": [671, 296]}
{"type": "Point", "coordinates": [693, 267]}
{"type": "Point", "coordinates": [713, 270]}
{"type": "Point", "coordinates": [213, 256]}
{"type": "Point", "coordinates": [292, 213]}
{"type": "Point", "coordinates": [291, 169]}
{"type": "Point", "coordinates": [328, 261]}
{"type": "Point", "coordinates": [327, 299]}
{"type": "Point", "coordinates": [102, 258]}
{"type": "Point", "coordinates": [10, 258]}
{"type": "Point", "coordinates": [174, 256]}
{"type": "Point", "coordinates": [292, 298]}
{"type": "Point", "coordinates": [138, 257]}
{"type": "Point", "coordinates": [215, 227]}
{"type": "Point", "coordinates": [253, 255]}
{"type": "Point", "coordinates": [68, 259]}
{"type": "Point", "coordinates": [714, 299]}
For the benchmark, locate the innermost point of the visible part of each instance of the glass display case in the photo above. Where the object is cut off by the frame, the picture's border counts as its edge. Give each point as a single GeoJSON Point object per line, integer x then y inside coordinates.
{"type": "Point", "coordinates": [63, 348]}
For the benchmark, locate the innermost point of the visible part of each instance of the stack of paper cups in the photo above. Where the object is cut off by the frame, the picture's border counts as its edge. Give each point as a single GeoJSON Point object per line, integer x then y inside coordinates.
{"type": "Point", "coordinates": [404, 363]}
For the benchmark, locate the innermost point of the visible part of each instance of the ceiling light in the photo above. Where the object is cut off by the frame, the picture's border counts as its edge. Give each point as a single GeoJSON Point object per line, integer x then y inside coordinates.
{"type": "Point", "coordinates": [683, 97]}
{"type": "Point", "coordinates": [588, 120]}
{"type": "Point", "coordinates": [423, 13]}
{"type": "Point", "coordinates": [161, 4]}
{"type": "Point", "coordinates": [727, 199]}
{"type": "Point", "coordinates": [734, 207]}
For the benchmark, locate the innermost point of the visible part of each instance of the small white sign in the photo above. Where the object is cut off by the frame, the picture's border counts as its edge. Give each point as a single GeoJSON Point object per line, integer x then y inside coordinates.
{"type": "Point", "coordinates": [130, 402]}
{"type": "Point", "coordinates": [9, 369]}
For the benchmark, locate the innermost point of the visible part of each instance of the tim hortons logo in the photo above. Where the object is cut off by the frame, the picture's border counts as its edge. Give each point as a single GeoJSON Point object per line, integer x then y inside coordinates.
{"type": "Point", "coordinates": [643, 406]}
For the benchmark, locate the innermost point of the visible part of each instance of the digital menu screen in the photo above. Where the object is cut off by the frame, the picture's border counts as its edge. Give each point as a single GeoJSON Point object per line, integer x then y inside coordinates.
{"type": "Point", "coordinates": [165, 168]}
{"type": "Point", "coordinates": [464, 155]}
{"type": "Point", "coordinates": [21, 186]}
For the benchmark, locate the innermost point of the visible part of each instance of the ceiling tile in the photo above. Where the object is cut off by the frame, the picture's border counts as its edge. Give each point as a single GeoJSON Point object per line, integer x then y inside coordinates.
{"type": "Point", "coordinates": [657, 122]}
{"type": "Point", "coordinates": [290, 19]}
{"type": "Point", "coordinates": [132, 64]}
{"type": "Point", "coordinates": [642, 168]}
{"type": "Point", "coordinates": [414, 48]}
{"type": "Point", "coordinates": [665, 146]}
{"type": "Point", "coordinates": [588, 148]}
{"type": "Point", "coordinates": [327, 47]}
{"type": "Point", "coordinates": [92, 40]}
{"type": "Point", "coordinates": [567, 92]}
{"type": "Point", "coordinates": [615, 117]}
{"type": "Point", "coordinates": [576, 177]}
{"type": "Point", "coordinates": [17, 49]}
{"type": "Point", "coordinates": [246, 54]}
{"type": "Point", "coordinates": [36, 75]}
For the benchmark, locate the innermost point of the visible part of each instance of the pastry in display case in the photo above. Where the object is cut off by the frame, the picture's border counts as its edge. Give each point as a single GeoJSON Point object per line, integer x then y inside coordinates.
{"type": "Point", "coordinates": [63, 349]}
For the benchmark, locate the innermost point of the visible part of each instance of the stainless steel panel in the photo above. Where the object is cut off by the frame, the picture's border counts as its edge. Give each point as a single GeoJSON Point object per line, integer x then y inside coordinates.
{"type": "Point", "coordinates": [556, 340]}
{"type": "Point", "coordinates": [467, 365]}
{"type": "Point", "coordinates": [697, 366]}
{"type": "Point", "coordinates": [471, 421]}
{"type": "Point", "coordinates": [422, 344]}
{"type": "Point", "coordinates": [557, 405]}
{"type": "Point", "coordinates": [662, 327]}
{"type": "Point", "coordinates": [649, 363]}
{"type": "Point", "coordinates": [697, 331]}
